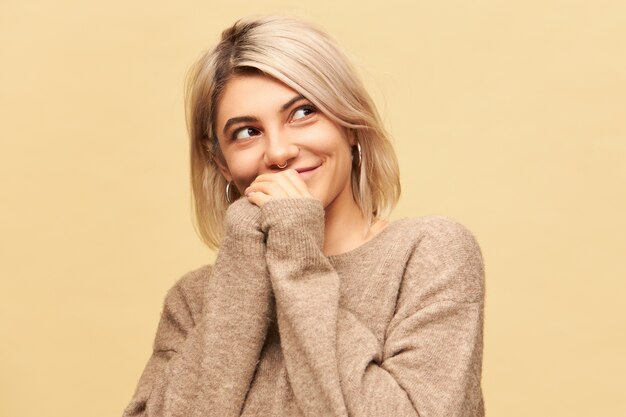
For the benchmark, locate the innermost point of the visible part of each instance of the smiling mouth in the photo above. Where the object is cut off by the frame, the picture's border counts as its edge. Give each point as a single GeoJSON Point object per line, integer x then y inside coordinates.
{"type": "Point", "coordinates": [302, 170]}
{"type": "Point", "coordinates": [307, 172]}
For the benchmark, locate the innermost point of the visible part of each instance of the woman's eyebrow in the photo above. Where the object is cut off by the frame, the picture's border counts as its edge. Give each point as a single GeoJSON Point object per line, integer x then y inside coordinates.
{"type": "Point", "coordinates": [290, 102]}
{"type": "Point", "coordinates": [250, 119]}
{"type": "Point", "coordinates": [241, 119]}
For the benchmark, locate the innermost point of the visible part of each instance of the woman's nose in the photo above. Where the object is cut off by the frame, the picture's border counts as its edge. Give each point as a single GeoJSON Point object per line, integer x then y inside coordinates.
{"type": "Point", "coordinates": [279, 149]}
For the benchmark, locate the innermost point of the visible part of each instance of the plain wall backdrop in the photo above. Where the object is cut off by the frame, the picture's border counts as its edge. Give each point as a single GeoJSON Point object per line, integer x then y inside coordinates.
{"type": "Point", "coordinates": [506, 115]}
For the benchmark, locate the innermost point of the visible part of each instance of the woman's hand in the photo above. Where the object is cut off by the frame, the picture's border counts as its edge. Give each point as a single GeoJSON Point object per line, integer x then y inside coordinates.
{"type": "Point", "coordinates": [283, 184]}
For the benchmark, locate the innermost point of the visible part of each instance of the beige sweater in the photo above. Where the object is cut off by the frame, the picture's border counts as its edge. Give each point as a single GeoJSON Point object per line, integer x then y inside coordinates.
{"type": "Point", "coordinates": [275, 328]}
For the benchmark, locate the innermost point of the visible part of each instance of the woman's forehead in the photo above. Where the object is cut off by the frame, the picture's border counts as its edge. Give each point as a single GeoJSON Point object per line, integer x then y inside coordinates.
{"type": "Point", "coordinates": [247, 94]}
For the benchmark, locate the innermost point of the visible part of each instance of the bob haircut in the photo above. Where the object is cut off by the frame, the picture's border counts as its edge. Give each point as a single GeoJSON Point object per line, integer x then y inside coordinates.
{"type": "Point", "coordinates": [307, 60]}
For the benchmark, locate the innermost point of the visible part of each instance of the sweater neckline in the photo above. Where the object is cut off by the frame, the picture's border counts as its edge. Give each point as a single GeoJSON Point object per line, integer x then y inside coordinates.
{"type": "Point", "coordinates": [365, 247]}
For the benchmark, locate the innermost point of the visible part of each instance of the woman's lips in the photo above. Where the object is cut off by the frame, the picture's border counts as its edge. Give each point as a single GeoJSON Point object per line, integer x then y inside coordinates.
{"type": "Point", "coordinates": [306, 173]}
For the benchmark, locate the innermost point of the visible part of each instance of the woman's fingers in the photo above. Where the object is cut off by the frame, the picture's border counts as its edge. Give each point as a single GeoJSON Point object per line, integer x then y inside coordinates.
{"type": "Point", "coordinates": [284, 184]}
{"type": "Point", "coordinates": [298, 182]}
{"type": "Point", "coordinates": [272, 189]}
{"type": "Point", "coordinates": [258, 198]}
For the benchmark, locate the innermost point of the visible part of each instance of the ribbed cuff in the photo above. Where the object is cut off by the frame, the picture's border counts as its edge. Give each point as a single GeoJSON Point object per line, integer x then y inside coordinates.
{"type": "Point", "coordinates": [243, 228]}
{"type": "Point", "coordinates": [243, 217]}
{"type": "Point", "coordinates": [293, 225]}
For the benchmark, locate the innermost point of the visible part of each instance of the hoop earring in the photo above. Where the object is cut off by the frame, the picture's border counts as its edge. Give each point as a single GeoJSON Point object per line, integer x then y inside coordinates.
{"type": "Point", "coordinates": [360, 155]}
{"type": "Point", "coordinates": [228, 199]}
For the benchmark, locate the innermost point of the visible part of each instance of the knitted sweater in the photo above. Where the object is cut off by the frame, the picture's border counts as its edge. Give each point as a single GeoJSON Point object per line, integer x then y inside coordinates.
{"type": "Point", "coordinates": [275, 328]}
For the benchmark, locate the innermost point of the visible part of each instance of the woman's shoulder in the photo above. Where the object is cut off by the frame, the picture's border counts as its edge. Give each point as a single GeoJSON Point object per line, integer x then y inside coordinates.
{"type": "Point", "coordinates": [187, 292]}
{"type": "Point", "coordinates": [434, 228]}
{"type": "Point", "coordinates": [446, 256]}
{"type": "Point", "coordinates": [398, 240]}
{"type": "Point", "coordinates": [194, 279]}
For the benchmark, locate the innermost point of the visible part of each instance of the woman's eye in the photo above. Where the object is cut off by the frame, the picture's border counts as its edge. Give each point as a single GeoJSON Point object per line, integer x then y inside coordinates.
{"type": "Point", "coordinates": [302, 112]}
{"type": "Point", "coordinates": [245, 133]}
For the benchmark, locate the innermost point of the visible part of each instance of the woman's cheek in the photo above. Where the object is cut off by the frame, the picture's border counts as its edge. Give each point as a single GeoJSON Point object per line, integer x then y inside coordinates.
{"type": "Point", "coordinates": [243, 169]}
{"type": "Point", "coordinates": [243, 181]}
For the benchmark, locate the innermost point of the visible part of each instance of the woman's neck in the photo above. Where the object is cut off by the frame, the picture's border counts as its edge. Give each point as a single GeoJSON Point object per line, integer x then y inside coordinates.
{"type": "Point", "coordinates": [345, 227]}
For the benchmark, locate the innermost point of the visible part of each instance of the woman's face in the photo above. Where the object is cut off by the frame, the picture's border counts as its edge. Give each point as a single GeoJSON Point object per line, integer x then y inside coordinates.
{"type": "Point", "coordinates": [262, 124]}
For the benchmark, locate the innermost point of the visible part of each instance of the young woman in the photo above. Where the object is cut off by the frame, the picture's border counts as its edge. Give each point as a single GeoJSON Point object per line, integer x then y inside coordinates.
{"type": "Point", "coordinates": [316, 305]}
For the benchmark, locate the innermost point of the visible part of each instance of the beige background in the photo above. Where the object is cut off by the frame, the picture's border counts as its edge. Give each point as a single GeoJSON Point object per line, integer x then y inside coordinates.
{"type": "Point", "coordinates": [507, 115]}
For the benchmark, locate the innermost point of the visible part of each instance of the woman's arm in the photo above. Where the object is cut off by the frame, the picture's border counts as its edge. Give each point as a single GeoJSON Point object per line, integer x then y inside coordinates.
{"type": "Point", "coordinates": [430, 364]}
{"type": "Point", "coordinates": [204, 360]}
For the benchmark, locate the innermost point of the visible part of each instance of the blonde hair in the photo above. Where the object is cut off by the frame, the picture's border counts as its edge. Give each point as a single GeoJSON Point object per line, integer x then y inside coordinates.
{"type": "Point", "coordinates": [307, 60]}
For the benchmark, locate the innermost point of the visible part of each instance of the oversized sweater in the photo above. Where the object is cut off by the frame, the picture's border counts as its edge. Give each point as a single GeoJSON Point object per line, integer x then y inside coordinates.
{"type": "Point", "coordinates": [276, 328]}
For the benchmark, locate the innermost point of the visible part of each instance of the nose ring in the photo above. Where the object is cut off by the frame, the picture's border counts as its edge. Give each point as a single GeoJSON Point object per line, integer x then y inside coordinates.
{"type": "Point", "coordinates": [284, 165]}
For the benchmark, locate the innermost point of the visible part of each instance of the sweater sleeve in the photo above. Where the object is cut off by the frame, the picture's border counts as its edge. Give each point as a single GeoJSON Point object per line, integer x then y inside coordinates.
{"type": "Point", "coordinates": [203, 361]}
{"type": "Point", "coordinates": [430, 362]}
